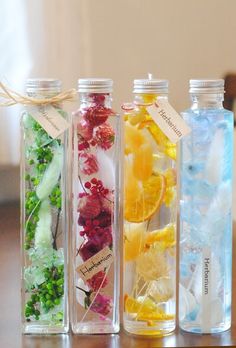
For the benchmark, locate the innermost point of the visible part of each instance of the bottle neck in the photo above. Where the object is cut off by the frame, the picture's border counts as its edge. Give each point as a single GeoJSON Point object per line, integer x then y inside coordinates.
{"type": "Point", "coordinates": [207, 101]}
{"type": "Point", "coordinates": [95, 99]}
{"type": "Point", "coordinates": [145, 98]}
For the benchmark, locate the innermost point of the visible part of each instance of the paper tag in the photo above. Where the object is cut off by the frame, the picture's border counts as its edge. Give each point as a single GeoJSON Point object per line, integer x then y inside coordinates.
{"type": "Point", "coordinates": [49, 118]}
{"type": "Point", "coordinates": [169, 121]}
{"type": "Point", "coordinates": [96, 263]}
{"type": "Point", "coordinates": [206, 290]}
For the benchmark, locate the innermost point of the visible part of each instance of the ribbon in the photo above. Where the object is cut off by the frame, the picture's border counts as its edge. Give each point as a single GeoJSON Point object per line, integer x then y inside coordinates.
{"type": "Point", "coordinates": [12, 97]}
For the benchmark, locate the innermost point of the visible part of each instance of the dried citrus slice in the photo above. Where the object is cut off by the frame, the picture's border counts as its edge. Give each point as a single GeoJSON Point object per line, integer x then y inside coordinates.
{"type": "Point", "coordinates": [151, 197]}
{"type": "Point", "coordinates": [134, 240]}
{"type": "Point", "coordinates": [134, 306]}
{"type": "Point", "coordinates": [145, 309]}
{"type": "Point", "coordinates": [143, 162]}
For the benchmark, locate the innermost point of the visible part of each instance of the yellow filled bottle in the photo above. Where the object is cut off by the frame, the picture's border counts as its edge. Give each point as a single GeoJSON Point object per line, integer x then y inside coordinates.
{"type": "Point", "coordinates": [149, 217]}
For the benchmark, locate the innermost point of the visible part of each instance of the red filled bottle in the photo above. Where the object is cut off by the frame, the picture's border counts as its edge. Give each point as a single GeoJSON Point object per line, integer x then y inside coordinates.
{"type": "Point", "coordinates": [95, 228]}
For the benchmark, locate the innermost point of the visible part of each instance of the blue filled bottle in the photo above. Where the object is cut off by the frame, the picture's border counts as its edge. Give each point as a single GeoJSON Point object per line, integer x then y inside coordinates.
{"type": "Point", "coordinates": [206, 163]}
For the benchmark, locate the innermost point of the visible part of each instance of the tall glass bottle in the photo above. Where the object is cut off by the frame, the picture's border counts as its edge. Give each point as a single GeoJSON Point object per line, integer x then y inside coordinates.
{"type": "Point", "coordinates": [149, 267]}
{"type": "Point", "coordinates": [43, 220]}
{"type": "Point", "coordinates": [95, 233]}
{"type": "Point", "coordinates": [205, 212]}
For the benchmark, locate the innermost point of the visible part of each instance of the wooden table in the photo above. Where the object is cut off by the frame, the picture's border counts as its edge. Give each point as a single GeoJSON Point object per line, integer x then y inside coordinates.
{"type": "Point", "coordinates": [10, 335]}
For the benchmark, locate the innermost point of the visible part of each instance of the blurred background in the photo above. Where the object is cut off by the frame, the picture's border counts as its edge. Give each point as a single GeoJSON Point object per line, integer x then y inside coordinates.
{"type": "Point", "coordinates": [123, 40]}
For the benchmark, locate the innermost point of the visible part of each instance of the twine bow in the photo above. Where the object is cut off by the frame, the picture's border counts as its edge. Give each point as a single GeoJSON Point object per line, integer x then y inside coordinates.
{"type": "Point", "coordinates": [12, 97]}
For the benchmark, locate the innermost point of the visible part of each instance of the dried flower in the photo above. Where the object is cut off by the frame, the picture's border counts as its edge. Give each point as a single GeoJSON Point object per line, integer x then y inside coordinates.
{"type": "Point", "coordinates": [104, 219]}
{"type": "Point", "coordinates": [161, 290]}
{"type": "Point", "coordinates": [98, 238]}
{"type": "Point", "coordinates": [102, 305]}
{"type": "Point", "coordinates": [97, 281]}
{"type": "Point", "coordinates": [96, 115]}
{"type": "Point", "coordinates": [152, 265]}
{"type": "Point", "coordinates": [105, 136]}
{"type": "Point", "coordinates": [88, 163]}
{"type": "Point", "coordinates": [89, 207]}
{"type": "Point", "coordinates": [84, 130]}
{"type": "Point", "coordinates": [88, 249]}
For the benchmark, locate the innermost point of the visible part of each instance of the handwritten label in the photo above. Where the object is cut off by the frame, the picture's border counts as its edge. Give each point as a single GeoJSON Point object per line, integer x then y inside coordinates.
{"type": "Point", "coordinates": [95, 264]}
{"type": "Point", "coordinates": [169, 121]}
{"type": "Point", "coordinates": [49, 118]}
{"type": "Point", "coordinates": [206, 290]}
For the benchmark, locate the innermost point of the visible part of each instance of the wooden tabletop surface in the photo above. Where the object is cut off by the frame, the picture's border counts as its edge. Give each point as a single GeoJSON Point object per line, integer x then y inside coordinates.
{"type": "Point", "coordinates": [10, 335]}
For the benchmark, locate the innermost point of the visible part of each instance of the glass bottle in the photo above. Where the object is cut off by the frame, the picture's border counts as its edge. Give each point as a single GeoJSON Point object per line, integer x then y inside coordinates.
{"type": "Point", "coordinates": [149, 265]}
{"type": "Point", "coordinates": [43, 220]}
{"type": "Point", "coordinates": [96, 210]}
{"type": "Point", "coordinates": [205, 212]}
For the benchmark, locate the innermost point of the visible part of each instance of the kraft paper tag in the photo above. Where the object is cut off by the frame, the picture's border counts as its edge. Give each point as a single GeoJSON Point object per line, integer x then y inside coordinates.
{"type": "Point", "coordinates": [49, 118]}
{"type": "Point", "coordinates": [96, 263]}
{"type": "Point", "coordinates": [169, 121]}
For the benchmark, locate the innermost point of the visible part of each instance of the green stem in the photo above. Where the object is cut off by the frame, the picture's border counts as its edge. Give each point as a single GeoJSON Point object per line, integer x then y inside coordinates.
{"type": "Point", "coordinates": [56, 230]}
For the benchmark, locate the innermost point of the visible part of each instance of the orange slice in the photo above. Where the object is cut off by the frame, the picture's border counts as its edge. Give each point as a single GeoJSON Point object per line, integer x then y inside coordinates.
{"type": "Point", "coordinates": [151, 197]}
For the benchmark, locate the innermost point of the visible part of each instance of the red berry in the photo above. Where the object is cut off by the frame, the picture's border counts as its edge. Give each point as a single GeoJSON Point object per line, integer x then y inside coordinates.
{"type": "Point", "coordinates": [87, 185]}
{"type": "Point", "coordinates": [93, 143]}
{"type": "Point", "coordinates": [94, 181]}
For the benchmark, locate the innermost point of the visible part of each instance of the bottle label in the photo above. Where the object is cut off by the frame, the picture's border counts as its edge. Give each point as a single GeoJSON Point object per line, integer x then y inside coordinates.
{"type": "Point", "coordinates": [103, 259]}
{"type": "Point", "coordinates": [49, 119]}
{"type": "Point", "coordinates": [169, 121]}
{"type": "Point", "coordinates": [206, 290]}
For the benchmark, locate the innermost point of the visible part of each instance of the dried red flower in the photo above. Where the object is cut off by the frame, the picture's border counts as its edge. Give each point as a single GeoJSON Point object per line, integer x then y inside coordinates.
{"type": "Point", "coordinates": [105, 136]}
{"type": "Point", "coordinates": [97, 115]}
{"type": "Point", "coordinates": [88, 163]}
{"type": "Point", "coordinates": [84, 129]}
{"type": "Point", "coordinates": [102, 305]}
{"type": "Point", "coordinates": [98, 281]}
{"type": "Point", "coordinates": [89, 207]}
